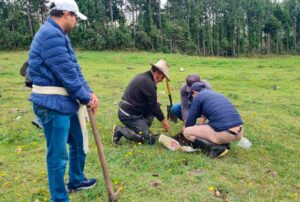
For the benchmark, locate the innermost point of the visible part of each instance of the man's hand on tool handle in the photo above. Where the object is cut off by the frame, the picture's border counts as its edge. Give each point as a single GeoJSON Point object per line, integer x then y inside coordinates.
{"type": "Point", "coordinates": [94, 103]}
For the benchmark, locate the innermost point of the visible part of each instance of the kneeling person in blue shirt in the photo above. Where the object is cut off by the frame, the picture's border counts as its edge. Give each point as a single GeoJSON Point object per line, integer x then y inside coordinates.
{"type": "Point", "coordinates": [224, 122]}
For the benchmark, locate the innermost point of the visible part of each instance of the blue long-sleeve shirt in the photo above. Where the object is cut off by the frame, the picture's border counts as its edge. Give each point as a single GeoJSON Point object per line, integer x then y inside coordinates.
{"type": "Point", "coordinates": [219, 111]}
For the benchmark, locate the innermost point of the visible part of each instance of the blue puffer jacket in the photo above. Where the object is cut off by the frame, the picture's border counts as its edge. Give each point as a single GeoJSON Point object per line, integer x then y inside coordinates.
{"type": "Point", "coordinates": [52, 62]}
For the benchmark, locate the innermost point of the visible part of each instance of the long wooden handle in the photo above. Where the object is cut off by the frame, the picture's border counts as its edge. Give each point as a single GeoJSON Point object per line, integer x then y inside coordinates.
{"type": "Point", "coordinates": [169, 92]}
{"type": "Point", "coordinates": [112, 196]}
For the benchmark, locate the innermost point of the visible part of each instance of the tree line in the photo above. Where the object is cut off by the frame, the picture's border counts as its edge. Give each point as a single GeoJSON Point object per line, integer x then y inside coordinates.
{"type": "Point", "coordinates": [196, 27]}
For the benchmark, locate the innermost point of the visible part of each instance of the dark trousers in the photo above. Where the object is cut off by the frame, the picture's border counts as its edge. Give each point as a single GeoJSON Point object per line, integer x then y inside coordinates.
{"type": "Point", "coordinates": [137, 123]}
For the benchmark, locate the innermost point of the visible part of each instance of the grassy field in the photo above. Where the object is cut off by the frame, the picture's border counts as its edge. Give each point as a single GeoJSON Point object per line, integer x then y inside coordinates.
{"type": "Point", "coordinates": [265, 90]}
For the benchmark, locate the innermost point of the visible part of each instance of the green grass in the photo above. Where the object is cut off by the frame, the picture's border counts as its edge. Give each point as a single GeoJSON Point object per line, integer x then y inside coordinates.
{"type": "Point", "coordinates": [268, 171]}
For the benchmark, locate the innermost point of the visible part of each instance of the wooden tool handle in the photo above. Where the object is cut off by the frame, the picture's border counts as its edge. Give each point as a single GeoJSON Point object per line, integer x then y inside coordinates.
{"type": "Point", "coordinates": [169, 92]}
{"type": "Point", "coordinates": [112, 196]}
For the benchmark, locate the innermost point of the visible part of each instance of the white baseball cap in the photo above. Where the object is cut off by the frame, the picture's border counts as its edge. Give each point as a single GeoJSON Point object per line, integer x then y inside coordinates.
{"type": "Point", "coordinates": [67, 5]}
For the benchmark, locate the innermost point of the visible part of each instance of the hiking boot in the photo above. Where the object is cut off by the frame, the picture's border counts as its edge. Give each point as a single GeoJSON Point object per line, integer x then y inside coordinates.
{"type": "Point", "coordinates": [228, 146]}
{"type": "Point", "coordinates": [149, 137]}
{"type": "Point", "coordinates": [211, 149]}
{"type": "Point", "coordinates": [116, 135]}
{"type": "Point", "coordinates": [218, 151]}
{"type": "Point", "coordinates": [85, 184]}
{"type": "Point", "coordinates": [203, 144]}
{"type": "Point", "coordinates": [130, 134]}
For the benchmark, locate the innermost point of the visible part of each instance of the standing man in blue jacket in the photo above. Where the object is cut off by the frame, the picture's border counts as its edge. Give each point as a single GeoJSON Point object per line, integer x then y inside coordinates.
{"type": "Point", "coordinates": [224, 122]}
{"type": "Point", "coordinates": [59, 89]}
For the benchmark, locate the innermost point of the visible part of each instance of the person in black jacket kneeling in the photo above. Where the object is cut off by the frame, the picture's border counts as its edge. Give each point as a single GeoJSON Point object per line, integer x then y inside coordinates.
{"type": "Point", "coordinates": [139, 106]}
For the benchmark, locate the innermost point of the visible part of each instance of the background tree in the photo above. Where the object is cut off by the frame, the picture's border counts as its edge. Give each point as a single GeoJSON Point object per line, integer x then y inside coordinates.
{"type": "Point", "coordinates": [203, 27]}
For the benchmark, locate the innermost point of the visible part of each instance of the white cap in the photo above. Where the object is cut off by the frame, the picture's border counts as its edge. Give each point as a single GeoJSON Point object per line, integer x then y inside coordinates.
{"type": "Point", "coordinates": [67, 5]}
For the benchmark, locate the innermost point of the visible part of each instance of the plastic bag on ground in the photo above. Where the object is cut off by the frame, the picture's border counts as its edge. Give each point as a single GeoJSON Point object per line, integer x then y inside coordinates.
{"type": "Point", "coordinates": [244, 143]}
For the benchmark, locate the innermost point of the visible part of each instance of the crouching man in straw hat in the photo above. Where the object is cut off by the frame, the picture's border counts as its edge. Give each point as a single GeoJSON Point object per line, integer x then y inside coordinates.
{"type": "Point", "coordinates": [58, 95]}
{"type": "Point", "coordinates": [224, 122]}
{"type": "Point", "coordinates": [139, 106]}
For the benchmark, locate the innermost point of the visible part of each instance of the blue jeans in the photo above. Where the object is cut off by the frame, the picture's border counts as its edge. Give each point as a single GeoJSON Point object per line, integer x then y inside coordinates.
{"type": "Point", "coordinates": [59, 130]}
{"type": "Point", "coordinates": [176, 110]}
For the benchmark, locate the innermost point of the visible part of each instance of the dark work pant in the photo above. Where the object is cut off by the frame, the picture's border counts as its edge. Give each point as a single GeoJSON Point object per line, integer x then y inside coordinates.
{"type": "Point", "coordinates": [137, 123]}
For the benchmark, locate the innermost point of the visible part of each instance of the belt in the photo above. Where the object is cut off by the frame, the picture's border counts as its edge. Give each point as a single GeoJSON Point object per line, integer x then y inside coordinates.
{"type": "Point", "coordinates": [233, 132]}
{"type": "Point", "coordinates": [125, 113]}
{"type": "Point", "coordinates": [126, 102]}
{"type": "Point", "coordinates": [125, 106]}
{"type": "Point", "coordinates": [82, 112]}
{"type": "Point", "coordinates": [49, 90]}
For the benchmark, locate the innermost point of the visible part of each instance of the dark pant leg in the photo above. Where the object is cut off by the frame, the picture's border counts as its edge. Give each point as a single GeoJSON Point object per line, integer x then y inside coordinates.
{"type": "Point", "coordinates": [138, 124]}
{"type": "Point", "coordinates": [149, 119]}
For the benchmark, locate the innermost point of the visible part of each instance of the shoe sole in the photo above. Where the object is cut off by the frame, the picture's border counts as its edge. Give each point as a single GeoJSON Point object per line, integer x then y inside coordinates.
{"type": "Point", "coordinates": [223, 153]}
{"type": "Point", "coordinates": [85, 188]}
{"type": "Point", "coordinates": [82, 188]}
{"type": "Point", "coordinates": [112, 137]}
{"type": "Point", "coordinates": [113, 132]}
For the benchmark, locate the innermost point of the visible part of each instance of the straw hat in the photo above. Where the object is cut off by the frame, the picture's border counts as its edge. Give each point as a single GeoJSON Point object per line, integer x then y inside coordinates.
{"type": "Point", "coordinates": [162, 66]}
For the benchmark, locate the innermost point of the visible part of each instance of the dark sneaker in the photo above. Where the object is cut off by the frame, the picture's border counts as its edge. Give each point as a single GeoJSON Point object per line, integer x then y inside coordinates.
{"type": "Point", "coordinates": [116, 135]}
{"type": "Point", "coordinates": [218, 151]}
{"type": "Point", "coordinates": [85, 184]}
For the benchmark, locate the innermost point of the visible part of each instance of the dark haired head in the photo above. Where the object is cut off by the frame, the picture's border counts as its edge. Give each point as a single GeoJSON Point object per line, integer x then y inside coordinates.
{"type": "Point", "coordinates": [192, 78]}
{"type": "Point", "coordinates": [154, 69]}
{"type": "Point", "coordinates": [56, 13]}
{"type": "Point", "coordinates": [198, 86]}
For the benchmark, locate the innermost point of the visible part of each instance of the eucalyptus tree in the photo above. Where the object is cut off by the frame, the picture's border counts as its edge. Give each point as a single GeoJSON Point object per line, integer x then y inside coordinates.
{"type": "Point", "coordinates": [203, 27]}
{"type": "Point", "coordinates": [132, 6]}
{"type": "Point", "coordinates": [196, 25]}
{"type": "Point", "coordinates": [293, 7]}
